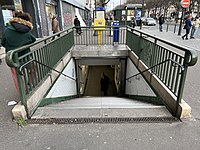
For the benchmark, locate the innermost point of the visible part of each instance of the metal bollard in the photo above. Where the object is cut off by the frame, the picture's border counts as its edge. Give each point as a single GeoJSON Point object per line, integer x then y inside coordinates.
{"type": "Point", "coordinates": [167, 27]}
{"type": "Point", "coordinates": [175, 28]}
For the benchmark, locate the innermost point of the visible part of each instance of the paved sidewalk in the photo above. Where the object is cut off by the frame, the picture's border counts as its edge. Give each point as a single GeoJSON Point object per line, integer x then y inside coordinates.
{"type": "Point", "coordinates": [172, 37]}
{"type": "Point", "coordinates": [143, 136]}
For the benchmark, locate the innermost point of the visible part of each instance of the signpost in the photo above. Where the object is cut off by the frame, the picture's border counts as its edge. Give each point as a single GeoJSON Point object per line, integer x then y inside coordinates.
{"type": "Point", "coordinates": [184, 4]}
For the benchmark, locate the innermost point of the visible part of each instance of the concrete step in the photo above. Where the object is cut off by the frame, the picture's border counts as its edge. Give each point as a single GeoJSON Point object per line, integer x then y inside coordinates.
{"type": "Point", "coordinates": [101, 107]}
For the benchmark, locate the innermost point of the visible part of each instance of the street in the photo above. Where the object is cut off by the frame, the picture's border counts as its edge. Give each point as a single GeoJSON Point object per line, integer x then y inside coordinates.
{"type": "Point", "coordinates": [142, 136]}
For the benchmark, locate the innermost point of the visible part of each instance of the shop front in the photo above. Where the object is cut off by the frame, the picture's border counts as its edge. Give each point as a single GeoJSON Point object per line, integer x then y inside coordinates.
{"type": "Point", "coordinates": [51, 7]}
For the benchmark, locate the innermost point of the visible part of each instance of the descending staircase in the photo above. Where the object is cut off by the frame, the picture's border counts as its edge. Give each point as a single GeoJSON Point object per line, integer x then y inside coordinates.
{"type": "Point", "coordinates": [101, 110]}
{"type": "Point", "coordinates": [144, 67]}
{"type": "Point", "coordinates": [93, 108]}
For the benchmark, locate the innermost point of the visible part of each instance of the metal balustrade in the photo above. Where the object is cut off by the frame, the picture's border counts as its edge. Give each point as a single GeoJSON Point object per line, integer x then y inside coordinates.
{"type": "Point", "coordinates": [150, 50]}
{"type": "Point", "coordinates": [89, 36]}
{"type": "Point", "coordinates": [47, 51]}
{"type": "Point", "coordinates": [153, 51]}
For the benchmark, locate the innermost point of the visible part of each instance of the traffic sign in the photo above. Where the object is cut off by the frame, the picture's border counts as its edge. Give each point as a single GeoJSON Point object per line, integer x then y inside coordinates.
{"type": "Point", "coordinates": [185, 3]}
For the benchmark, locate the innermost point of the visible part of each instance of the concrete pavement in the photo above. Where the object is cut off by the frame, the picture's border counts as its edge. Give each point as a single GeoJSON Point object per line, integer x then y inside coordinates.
{"type": "Point", "coordinates": [173, 37]}
{"type": "Point", "coordinates": [144, 136]}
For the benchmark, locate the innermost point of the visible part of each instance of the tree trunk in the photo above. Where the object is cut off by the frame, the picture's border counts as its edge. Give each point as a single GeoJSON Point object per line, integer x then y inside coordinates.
{"type": "Point", "coordinates": [198, 7]}
{"type": "Point", "coordinates": [177, 14]}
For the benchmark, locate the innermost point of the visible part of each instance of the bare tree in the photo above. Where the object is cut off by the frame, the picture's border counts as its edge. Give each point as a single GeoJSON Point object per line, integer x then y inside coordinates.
{"type": "Point", "coordinates": [102, 3]}
{"type": "Point", "coordinates": [164, 5]}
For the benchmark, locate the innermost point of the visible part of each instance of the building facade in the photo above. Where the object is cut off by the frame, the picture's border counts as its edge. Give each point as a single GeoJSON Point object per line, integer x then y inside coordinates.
{"type": "Point", "coordinates": [42, 12]}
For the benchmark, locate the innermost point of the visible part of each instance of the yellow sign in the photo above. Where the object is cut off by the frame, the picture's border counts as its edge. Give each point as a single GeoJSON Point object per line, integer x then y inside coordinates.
{"type": "Point", "coordinates": [100, 23]}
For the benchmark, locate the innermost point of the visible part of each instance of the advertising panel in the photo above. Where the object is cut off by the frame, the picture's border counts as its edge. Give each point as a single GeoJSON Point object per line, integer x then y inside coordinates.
{"type": "Point", "coordinates": [7, 15]}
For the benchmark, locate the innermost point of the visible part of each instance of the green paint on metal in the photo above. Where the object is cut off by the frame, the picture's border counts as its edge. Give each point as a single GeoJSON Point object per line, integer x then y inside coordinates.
{"type": "Point", "coordinates": [47, 101]}
{"type": "Point", "coordinates": [146, 47]}
{"type": "Point", "coordinates": [148, 99]}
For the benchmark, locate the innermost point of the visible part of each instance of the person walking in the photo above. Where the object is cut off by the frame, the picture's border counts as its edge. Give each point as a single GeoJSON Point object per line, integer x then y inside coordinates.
{"type": "Point", "coordinates": [104, 84]}
{"type": "Point", "coordinates": [187, 27]}
{"type": "Point", "coordinates": [132, 23]}
{"type": "Point", "coordinates": [161, 21]}
{"type": "Point", "coordinates": [195, 27]}
{"type": "Point", "coordinates": [77, 25]}
{"type": "Point", "coordinates": [55, 26]}
{"type": "Point", "coordinates": [17, 34]}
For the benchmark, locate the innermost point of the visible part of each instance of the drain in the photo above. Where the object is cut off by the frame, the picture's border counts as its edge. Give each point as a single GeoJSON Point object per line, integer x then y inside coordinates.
{"type": "Point", "coordinates": [102, 120]}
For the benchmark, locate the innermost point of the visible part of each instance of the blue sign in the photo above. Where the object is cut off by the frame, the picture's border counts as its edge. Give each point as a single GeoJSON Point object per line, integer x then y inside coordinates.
{"type": "Point", "coordinates": [100, 8]}
{"type": "Point", "coordinates": [138, 14]}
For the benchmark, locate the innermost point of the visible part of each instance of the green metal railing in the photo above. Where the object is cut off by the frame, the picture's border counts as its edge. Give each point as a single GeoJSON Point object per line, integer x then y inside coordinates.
{"type": "Point", "coordinates": [32, 61]}
{"type": "Point", "coordinates": [152, 51]}
{"type": "Point", "coordinates": [89, 36]}
{"type": "Point", "coordinates": [161, 63]}
{"type": "Point", "coordinates": [48, 51]}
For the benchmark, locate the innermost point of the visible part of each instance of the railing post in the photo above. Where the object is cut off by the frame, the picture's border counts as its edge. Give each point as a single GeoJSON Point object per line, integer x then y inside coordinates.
{"type": "Point", "coordinates": [86, 36]}
{"type": "Point", "coordinates": [153, 53]}
{"type": "Point", "coordinates": [140, 42]}
{"type": "Point", "coordinates": [182, 80]}
{"type": "Point", "coordinates": [126, 35]}
{"type": "Point", "coordinates": [21, 85]}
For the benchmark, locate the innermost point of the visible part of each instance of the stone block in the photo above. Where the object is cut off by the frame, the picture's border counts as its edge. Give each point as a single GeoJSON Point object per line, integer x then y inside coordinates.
{"type": "Point", "coordinates": [185, 110]}
{"type": "Point", "coordinates": [19, 112]}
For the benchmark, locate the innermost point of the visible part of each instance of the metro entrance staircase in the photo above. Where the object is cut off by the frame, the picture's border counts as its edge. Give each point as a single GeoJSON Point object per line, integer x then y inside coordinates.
{"type": "Point", "coordinates": [59, 79]}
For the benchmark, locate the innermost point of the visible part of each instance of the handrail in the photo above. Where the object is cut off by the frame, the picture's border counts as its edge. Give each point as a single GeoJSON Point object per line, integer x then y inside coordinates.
{"type": "Point", "coordinates": [10, 54]}
{"type": "Point", "coordinates": [67, 40]}
{"type": "Point", "coordinates": [193, 54]}
{"type": "Point", "coordinates": [33, 60]}
{"type": "Point", "coordinates": [100, 27]}
{"type": "Point", "coordinates": [104, 36]}
{"type": "Point", "coordinates": [182, 68]}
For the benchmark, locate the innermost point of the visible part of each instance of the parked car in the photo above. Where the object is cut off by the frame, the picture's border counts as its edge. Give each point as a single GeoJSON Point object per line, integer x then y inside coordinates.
{"type": "Point", "coordinates": [149, 22]}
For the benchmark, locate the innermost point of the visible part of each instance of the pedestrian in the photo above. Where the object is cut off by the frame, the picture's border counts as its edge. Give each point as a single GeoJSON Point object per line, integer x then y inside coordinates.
{"type": "Point", "coordinates": [195, 27]}
{"type": "Point", "coordinates": [104, 84]}
{"type": "Point", "coordinates": [77, 25]}
{"type": "Point", "coordinates": [55, 26]}
{"type": "Point", "coordinates": [161, 21]}
{"type": "Point", "coordinates": [132, 23]}
{"type": "Point", "coordinates": [18, 34]}
{"type": "Point", "coordinates": [187, 26]}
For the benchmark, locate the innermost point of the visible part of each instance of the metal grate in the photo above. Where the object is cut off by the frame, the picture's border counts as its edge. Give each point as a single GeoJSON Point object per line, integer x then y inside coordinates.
{"type": "Point", "coordinates": [102, 120]}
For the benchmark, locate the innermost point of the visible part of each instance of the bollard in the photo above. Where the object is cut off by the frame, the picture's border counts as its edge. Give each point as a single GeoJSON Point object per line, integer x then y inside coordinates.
{"type": "Point", "coordinates": [115, 31]}
{"type": "Point", "coordinates": [175, 28]}
{"type": "Point", "coordinates": [167, 27]}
